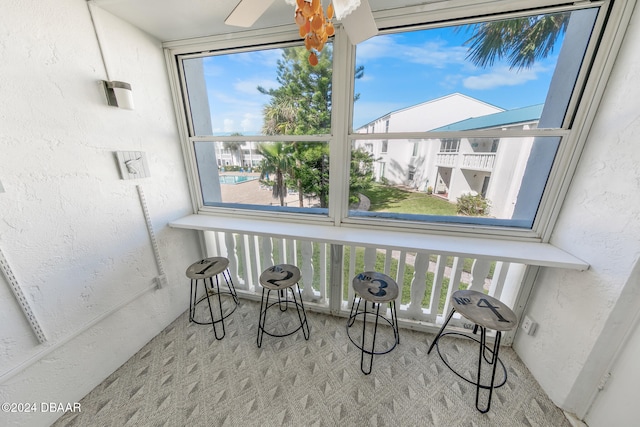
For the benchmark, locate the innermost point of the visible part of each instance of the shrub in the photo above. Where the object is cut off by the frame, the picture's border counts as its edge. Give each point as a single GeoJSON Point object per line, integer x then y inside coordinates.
{"type": "Point", "coordinates": [472, 205]}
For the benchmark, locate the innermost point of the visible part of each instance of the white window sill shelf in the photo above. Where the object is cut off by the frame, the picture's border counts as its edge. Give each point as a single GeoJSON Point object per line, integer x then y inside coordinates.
{"type": "Point", "coordinates": [530, 253]}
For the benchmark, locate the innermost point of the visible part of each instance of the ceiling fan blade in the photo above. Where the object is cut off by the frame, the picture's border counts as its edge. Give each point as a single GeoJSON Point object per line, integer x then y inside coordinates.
{"type": "Point", "coordinates": [359, 24]}
{"type": "Point", "coordinates": [247, 12]}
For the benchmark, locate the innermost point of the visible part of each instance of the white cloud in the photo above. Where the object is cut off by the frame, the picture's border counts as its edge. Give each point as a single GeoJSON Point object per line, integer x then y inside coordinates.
{"type": "Point", "coordinates": [250, 87]}
{"type": "Point", "coordinates": [436, 53]}
{"type": "Point", "coordinates": [502, 76]}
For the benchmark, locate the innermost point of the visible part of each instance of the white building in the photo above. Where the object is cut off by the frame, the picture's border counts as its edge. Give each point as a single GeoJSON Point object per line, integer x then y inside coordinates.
{"type": "Point", "coordinates": [451, 167]}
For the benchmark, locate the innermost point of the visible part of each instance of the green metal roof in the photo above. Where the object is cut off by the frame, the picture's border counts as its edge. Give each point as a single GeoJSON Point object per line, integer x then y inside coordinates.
{"type": "Point", "coordinates": [504, 118]}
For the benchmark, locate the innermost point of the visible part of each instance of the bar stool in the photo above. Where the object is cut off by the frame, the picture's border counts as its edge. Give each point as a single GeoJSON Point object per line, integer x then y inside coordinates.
{"type": "Point", "coordinates": [377, 289]}
{"type": "Point", "coordinates": [281, 278]}
{"type": "Point", "coordinates": [200, 271]}
{"type": "Point", "coordinates": [487, 313]}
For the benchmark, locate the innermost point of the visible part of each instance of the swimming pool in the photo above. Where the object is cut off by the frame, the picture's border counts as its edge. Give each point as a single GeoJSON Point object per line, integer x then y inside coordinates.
{"type": "Point", "coordinates": [235, 179]}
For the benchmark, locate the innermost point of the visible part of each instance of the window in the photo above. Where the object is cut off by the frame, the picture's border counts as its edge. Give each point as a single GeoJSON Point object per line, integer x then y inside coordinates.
{"type": "Point", "coordinates": [255, 111]}
{"type": "Point", "coordinates": [385, 146]}
{"type": "Point", "coordinates": [427, 106]}
{"type": "Point", "coordinates": [475, 97]}
{"type": "Point", "coordinates": [449, 145]}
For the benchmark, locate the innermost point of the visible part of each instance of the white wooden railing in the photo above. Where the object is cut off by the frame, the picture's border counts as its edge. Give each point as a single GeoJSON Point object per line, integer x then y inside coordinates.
{"type": "Point", "coordinates": [447, 159]}
{"type": "Point", "coordinates": [427, 268]}
{"type": "Point", "coordinates": [479, 161]}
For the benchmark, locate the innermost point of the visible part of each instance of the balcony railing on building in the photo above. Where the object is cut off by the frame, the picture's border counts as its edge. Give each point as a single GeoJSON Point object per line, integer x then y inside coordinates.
{"type": "Point", "coordinates": [476, 161]}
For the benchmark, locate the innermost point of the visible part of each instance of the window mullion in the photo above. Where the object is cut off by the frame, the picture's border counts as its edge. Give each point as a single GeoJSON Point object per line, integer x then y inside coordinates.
{"type": "Point", "coordinates": [339, 147]}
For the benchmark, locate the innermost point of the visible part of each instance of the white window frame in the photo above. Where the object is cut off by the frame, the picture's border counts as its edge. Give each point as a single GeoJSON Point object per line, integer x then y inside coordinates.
{"type": "Point", "coordinates": [575, 132]}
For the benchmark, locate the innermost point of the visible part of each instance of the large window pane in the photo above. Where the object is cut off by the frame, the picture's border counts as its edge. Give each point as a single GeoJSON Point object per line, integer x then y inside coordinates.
{"type": "Point", "coordinates": [439, 78]}
{"type": "Point", "coordinates": [270, 92]}
{"type": "Point", "coordinates": [517, 75]}
{"type": "Point", "coordinates": [274, 175]}
{"type": "Point", "coordinates": [480, 182]}
{"type": "Point", "coordinates": [263, 92]}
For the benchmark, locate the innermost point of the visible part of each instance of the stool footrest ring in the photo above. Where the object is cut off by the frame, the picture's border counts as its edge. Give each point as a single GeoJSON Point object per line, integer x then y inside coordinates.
{"type": "Point", "coordinates": [483, 386]}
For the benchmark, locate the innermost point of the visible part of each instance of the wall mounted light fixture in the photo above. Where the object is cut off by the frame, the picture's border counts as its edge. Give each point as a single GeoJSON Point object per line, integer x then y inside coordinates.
{"type": "Point", "coordinates": [118, 94]}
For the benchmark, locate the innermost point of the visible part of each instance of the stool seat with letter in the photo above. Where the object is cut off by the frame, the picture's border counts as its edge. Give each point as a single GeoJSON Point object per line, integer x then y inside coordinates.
{"type": "Point", "coordinates": [200, 271]}
{"type": "Point", "coordinates": [377, 289]}
{"type": "Point", "coordinates": [281, 278]}
{"type": "Point", "coordinates": [487, 313]}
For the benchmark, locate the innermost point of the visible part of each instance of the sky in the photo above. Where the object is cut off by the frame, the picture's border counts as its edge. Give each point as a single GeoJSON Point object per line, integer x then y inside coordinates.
{"type": "Point", "coordinates": [400, 70]}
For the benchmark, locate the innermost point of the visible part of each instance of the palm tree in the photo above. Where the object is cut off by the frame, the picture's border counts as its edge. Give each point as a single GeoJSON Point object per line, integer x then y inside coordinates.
{"type": "Point", "coordinates": [521, 40]}
{"type": "Point", "coordinates": [276, 161]}
{"type": "Point", "coordinates": [235, 147]}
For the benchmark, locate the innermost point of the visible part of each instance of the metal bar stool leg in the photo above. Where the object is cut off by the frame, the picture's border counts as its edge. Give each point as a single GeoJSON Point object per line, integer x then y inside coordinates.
{"type": "Point", "coordinates": [264, 304]}
{"type": "Point", "coordinates": [302, 317]}
{"type": "Point", "coordinates": [354, 311]}
{"type": "Point", "coordinates": [282, 294]}
{"type": "Point", "coordinates": [493, 363]}
{"type": "Point", "coordinates": [444, 325]}
{"type": "Point", "coordinates": [375, 333]}
{"type": "Point", "coordinates": [394, 321]}
{"type": "Point", "coordinates": [192, 299]}
{"type": "Point", "coordinates": [206, 293]}
{"type": "Point", "coordinates": [232, 288]}
{"type": "Point", "coordinates": [215, 330]}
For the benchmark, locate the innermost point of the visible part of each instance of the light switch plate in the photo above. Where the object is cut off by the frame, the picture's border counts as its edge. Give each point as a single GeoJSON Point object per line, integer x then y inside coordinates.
{"type": "Point", "coordinates": [1, 187]}
{"type": "Point", "coordinates": [133, 164]}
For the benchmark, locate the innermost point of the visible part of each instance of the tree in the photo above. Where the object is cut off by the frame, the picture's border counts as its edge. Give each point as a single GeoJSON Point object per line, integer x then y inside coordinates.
{"type": "Point", "coordinates": [276, 161]}
{"type": "Point", "coordinates": [301, 105]}
{"type": "Point", "coordinates": [521, 41]}
{"type": "Point", "coordinates": [234, 147]}
{"type": "Point", "coordinates": [361, 173]}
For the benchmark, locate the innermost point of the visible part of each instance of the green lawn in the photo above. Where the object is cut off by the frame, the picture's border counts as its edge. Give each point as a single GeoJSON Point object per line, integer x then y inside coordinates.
{"type": "Point", "coordinates": [393, 199]}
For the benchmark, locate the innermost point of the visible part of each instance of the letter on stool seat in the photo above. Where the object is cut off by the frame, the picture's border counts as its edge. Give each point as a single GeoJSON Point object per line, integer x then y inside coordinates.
{"type": "Point", "coordinates": [281, 278]}
{"type": "Point", "coordinates": [201, 271]}
{"type": "Point", "coordinates": [377, 289]}
{"type": "Point", "coordinates": [487, 313]}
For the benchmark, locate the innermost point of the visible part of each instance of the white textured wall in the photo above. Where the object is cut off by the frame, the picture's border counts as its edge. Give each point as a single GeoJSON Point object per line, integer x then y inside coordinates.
{"type": "Point", "coordinates": [72, 230]}
{"type": "Point", "coordinates": [599, 223]}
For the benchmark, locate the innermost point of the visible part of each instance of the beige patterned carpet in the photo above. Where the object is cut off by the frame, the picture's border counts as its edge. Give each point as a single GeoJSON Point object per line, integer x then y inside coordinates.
{"type": "Point", "coordinates": [186, 377]}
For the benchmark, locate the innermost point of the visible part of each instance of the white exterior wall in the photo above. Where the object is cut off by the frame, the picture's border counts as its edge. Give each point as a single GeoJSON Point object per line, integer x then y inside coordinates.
{"type": "Point", "coordinates": [72, 231]}
{"type": "Point", "coordinates": [422, 117]}
{"type": "Point", "coordinates": [439, 112]}
{"type": "Point", "coordinates": [582, 314]}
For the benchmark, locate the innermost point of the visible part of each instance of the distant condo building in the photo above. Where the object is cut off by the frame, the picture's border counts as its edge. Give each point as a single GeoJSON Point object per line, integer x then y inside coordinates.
{"type": "Point", "coordinates": [451, 167]}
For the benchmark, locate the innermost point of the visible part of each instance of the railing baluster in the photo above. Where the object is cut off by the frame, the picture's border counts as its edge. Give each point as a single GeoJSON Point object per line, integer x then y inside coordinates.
{"type": "Point", "coordinates": [232, 255]}
{"type": "Point", "coordinates": [244, 260]}
{"type": "Point", "coordinates": [370, 259]}
{"type": "Point", "coordinates": [322, 271]}
{"type": "Point", "coordinates": [253, 260]}
{"type": "Point", "coordinates": [387, 261]}
{"type": "Point", "coordinates": [479, 272]}
{"type": "Point", "coordinates": [291, 252]}
{"type": "Point", "coordinates": [352, 272]}
{"type": "Point", "coordinates": [499, 277]}
{"type": "Point", "coordinates": [436, 288]}
{"type": "Point", "coordinates": [267, 253]}
{"type": "Point", "coordinates": [306, 249]}
{"type": "Point", "coordinates": [454, 280]}
{"type": "Point", "coordinates": [418, 285]}
{"type": "Point", "coordinates": [402, 263]}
